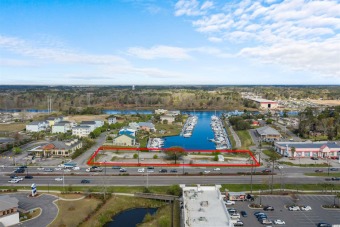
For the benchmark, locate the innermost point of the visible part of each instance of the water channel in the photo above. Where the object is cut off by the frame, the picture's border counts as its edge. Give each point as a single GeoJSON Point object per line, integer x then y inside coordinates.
{"type": "Point", "coordinates": [130, 218]}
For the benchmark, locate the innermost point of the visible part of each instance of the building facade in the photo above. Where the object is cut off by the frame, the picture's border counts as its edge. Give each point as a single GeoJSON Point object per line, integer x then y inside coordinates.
{"type": "Point", "coordinates": [124, 140]}
{"type": "Point", "coordinates": [61, 127]}
{"type": "Point", "coordinates": [37, 126]}
{"type": "Point", "coordinates": [82, 131]}
{"type": "Point", "coordinates": [9, 214]}
{"type": "Point", "coordinates": [268, 134]}
{"type": "Point", "coordinates": [57, 148]}
{"type": "Point", "coordinates": [112, 120]}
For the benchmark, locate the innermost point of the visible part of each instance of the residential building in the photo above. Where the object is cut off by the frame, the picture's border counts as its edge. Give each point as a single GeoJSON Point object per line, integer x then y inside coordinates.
{"type": "Point", "coordinates": [57, 148]}
{"type": "Point", "coordinates": [92, 124]}
{"type": "Point", "coordinates": [321, 149]}
{"type": "Point", "coordinates": [53, 120]}
{"type": "Point", "coordinates": [173, 113]}
{"type": "Point", "coordinates": [147, 126]}
{"type": "Point", "coordinates": [268, 134]}
{"type": "Point", "coordinates": [37, 126]}
{"type": "Point", "coordinates": [160, 111]}
{"type": "Point", "coordinates": [9, 214]}
{"type": "Point", "coordinates": [124, 140]}
{"type": "Point", "coordinates": [204, 206]}
{"type": "Point", "coordinates": [99, 123]}
{"type": "Point", "coordinates": [112, 120]}
{"type": "Point", "coordinates": [168, 118]}
{"type": "Point", "coordinates": [127, 131]}
{"type": "Point", "coordinates": [134, 126]}
{"type": "Point", "coordinates": [82, 131]}
{"type": "Point", "coordinates": [61, 127]}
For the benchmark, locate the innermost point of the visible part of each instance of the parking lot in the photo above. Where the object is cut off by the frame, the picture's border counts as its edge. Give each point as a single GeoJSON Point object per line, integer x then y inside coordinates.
{"type": "Point", "coordinates": [292, 218]}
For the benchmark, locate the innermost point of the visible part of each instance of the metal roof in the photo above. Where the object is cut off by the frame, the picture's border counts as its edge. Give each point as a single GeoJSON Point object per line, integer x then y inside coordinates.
{"type": "Point", "coordinates": [309, 144]}
{"type": "Point", "coordinates": [7, 202]}
{"type": "Point", "coordinates": [266, 130]}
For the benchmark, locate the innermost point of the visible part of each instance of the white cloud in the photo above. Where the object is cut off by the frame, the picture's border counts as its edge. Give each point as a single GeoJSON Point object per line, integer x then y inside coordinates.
{"type": "Point", "coordinates": [159, 52]}
{"type": "Point", "coordinates": [192, 7]}
{"type": "Point", "coordinates": [300, 34]}
{"type": "Point", "coordinates": [207, 5]}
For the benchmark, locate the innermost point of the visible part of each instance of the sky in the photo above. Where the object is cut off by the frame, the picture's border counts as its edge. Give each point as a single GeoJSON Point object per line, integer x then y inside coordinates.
{"type": "Point", "coordinates": [169, 42]}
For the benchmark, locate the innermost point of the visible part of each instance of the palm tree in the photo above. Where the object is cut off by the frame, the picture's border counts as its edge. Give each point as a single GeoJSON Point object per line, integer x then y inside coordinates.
{"type": "Point", "coordinates": [293, 150]}
{"type": "Point", "coordinates": [273, 159]}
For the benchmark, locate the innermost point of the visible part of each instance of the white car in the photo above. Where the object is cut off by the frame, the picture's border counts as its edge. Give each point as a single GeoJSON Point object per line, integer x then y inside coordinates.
{"type": "Point", "coordinates": [58, 168]}
{"type": "Point", "coordinates": [306, 208]}
{"type": "Point", "coordinates": [229, 202]}
{"type": "Point", "coordinates": [150, 171]}
{"type": "Point", "coordinates": [61, 165]}
{"type": "Point", "coordinates": [58, 179]}
{"type": "Point", "coordinates": [142, 170]}
{"type": "Point", "coordinates": [40, 168]}
{"type": "Point", "coordinates": [279, 222]}
{"type": "Point", "coordinates": [18, 178]}
{"type": "Point", "coordinates": [76, 168]}
{"type": "Point", "coordinates": [206, 171]}
{"type": "Point", "coordinates": [67, 170]}
{"type": "Point", "coordinates": [217, 169]}
{"type": "Point", "coordinates": [293, 208]}
{"type": "Point", "coordinates": [13, 181]}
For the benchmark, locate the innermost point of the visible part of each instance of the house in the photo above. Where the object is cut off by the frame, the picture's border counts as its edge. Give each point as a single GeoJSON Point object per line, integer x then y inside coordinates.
{"type": "Point", "coordinates": [112, 120]}
{"type": "Point", "coordinates": [37, 126]}
{"type": "Point", "coordinates": [147, 126]}
{"type": "Point", "coordinates": [268, 134]}
{"type": "Point", "coordinates": [99, 123]}
{"type": "Point", "coordinates": [255, 123]}
{"type": "Point", "coordinates": [124, 140]}
{"type": "Point", "coordinates": [92, 124]}
{"type": "Point", "coordinates": [53, 120]}
{"type": "Point", "coordinates": [169, 118]}
{"type": "Point", "coordinates": [160, 111]}
{"type": "Point", "coordinates": [134, 126]}
{"type": "Point", "coordinates": [61, 127]}
{"type": "Point", "coordinates": [57, 148]}
{"type": "Point", "coordinates": [321, 149]}
{"type": "Point", "coordinates": [127, 131]}
{"type": "Point", "coordinates": [9, 214]}
{"type": "Point", "coordinates": [82, 131]}
{"type": "Point", "coordinates": [173, 113]}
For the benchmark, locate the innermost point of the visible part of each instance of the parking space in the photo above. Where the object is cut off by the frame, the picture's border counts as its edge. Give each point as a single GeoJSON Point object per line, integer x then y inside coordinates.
{"type": "Point", "coordinates": [292, 218]}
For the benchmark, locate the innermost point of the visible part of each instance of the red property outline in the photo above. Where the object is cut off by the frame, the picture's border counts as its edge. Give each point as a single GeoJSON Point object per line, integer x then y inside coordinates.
{"type": "Point", "coordinates": [255, 162]}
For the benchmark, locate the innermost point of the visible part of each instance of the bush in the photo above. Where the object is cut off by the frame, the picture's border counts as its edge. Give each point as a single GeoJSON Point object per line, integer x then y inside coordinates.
{"type": "Point", "coordinates": [135, 156]}
{"type": "Point", "coordinates": [174, 190]}
{"type": "Point", "coordinates": [155, 156]}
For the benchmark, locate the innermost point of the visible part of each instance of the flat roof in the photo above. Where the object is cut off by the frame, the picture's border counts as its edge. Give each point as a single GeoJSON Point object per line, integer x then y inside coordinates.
{"type": "Point", "coordinates": [204, 206]}
{"type": "Point", "coordinates": [262, 100]}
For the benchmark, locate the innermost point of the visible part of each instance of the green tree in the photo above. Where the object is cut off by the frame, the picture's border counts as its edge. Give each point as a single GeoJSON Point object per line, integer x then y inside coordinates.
{"type": "Point", "coordinates": [174, 153]}
{"type": "Point", "coordinates": [17, 150]}
{"type": "Point", "coordinates": [135, 156]}
{"type": "Point", "coordinates": [293, 150]}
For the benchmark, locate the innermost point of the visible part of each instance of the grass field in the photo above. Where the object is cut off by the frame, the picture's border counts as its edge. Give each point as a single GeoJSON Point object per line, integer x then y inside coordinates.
{"type": "Point", "coordinates": [271, 154]}
{"type": "Point", "coordinates": [79, 118]}
{"type": "Point", "coordinates": [245, 138]}
{"type": "Point", "coordinates": [303, 165]}
{"type": "Point", "coordinates": [13, 127]}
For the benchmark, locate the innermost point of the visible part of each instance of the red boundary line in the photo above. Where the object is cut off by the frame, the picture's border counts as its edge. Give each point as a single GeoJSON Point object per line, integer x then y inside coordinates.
{"type": "Point", "coordinates": [255, 163]}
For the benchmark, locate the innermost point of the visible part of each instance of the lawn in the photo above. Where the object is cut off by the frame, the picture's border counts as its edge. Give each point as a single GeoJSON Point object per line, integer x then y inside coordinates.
{"type": "Point", "coordinates": [71, 213]}
{"type": "Point", "coordinates": [325, 174]}
{"type": "Point", "coordinates": [270, 153]}
{"type": "Point", "coordinates": [232, 140]}
{"type": "Point", "coordinates": [245, 138]}
{"type": "Point", "coordinates": [303, 165]}
{"type": "Point", "coordinates": [13, 127]}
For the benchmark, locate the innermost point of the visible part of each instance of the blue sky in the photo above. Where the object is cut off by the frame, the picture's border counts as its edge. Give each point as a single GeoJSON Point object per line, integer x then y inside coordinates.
{"type": "Point", "coordinates": [150, 42]}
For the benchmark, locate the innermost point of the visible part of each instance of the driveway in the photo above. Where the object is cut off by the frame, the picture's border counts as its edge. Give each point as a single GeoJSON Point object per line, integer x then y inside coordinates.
{"type": "Point", "coordinates": [45, 202]}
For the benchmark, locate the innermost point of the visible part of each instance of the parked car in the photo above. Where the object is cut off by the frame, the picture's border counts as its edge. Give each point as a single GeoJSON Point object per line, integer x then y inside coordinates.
{"type": "Point", "coordinates": [28, 177]}
{"type": "Point", "coordinates": [306, 208]}
{"type": "Point", "coordinates": [206, 171]}
{"type": "Point", "coordinates": [40, 168]}
{"type": "Point", "coordinates": [324, 224]}
{"type": "Point", "coordinates": [141, 170]}
{"type": "Point", "coordinates": [57, 169]}
{"type": "Point", "coordinates": [244, 213]}
{"type": "Point", "coordinates": [217, 169]}
{"type": "Point", "coordinates": [48, 170]}
{"type": "Point", "coordinates": [314, 158]}
{"type": "Point", "coordinates": [319, 171]}
{"type": "Point", "coordinates": [163, 171]}
{"type": "Point", "coordinates": [122, 170]}
{"type": "Point", "coordinates": [58, 179]}
{"type": "Point", "coordinates": [266, 171]}
{"type": "Point", "coordinates": [18, 178]}
{"type": "Point", "coordinates": [229, 202]}
{"type": "Point", "coordinates": [293, 208]}
{"type": "Point", "coordinates": [266, 222]}
{"type": "Point", "coordinates": [67, 170]}
{"type": "Point", "coordinates": [235, 216]}
{"type": "Point", "coordinates": [85, 181]}
{"type": "Point", "coordinates": [238, 223]}
{"type": "Point", "coordinates": [76, 168]}
{"type": "Point", "coordinates": [268, 208]}
{"type": "Point", "coordinates": [116, 167]}
{"type": "Point", "coordinates": [19, 170]}
{"type": "Point", "coordinates": [257, 213]}
{"type": "Point", "coordinates": [279, 222]}
{"type": "Point", "coordinates": [173, 171]}
{"type": "Point", "coordinates": [13, 181]}
{"type": "Point", "coordinates": [335, 178]}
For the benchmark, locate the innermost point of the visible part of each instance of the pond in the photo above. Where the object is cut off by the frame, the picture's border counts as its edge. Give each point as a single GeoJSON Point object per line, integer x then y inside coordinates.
{"type": "Point", "coordinates": [130, 218]}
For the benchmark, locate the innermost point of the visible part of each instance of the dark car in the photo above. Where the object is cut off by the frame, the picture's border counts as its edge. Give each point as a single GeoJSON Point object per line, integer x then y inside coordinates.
{"type": "Point", "coordinates": [257, 213]}
{"type": "Point", "coordinates": [268, 208]}
{"type": "Point", "coordinates": [333, 169]}
{"type": "Point", "coordinates": [13, 176]}
{"type": "Point", "coordinates": [28, 177]}
{"type": "Point", "coordinates": [116, 167]}
{"type": "Point", "coordinates": [173, 171]}
{"type": "Point", "coordinates": [323, 224]}
{"type": "Point", "coordinates": [314, 158]}
{"type": "Point", "coordinates": [22, 167]}
{"type": "Point", "coordinates": [244, 214]}
{"type": "Point", "coordinates": [319, 171]}
{"type": "Point", "coordinates": [266, 171]}
{"type": "Point", "coordinates": [335, 178]}
{"type": "Point", "coordinates": [163, 171]}
{"type": "Point", "coordinates": [19, 170]}
{"type": "Point", "coordinates": [85, 181]}
{"type": "Point", "coordinates": [122, 170]}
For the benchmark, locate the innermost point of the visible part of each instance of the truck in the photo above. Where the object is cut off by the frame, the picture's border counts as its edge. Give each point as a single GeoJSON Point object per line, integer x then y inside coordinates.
{"type": "Point", "coordinates": [94, 169]}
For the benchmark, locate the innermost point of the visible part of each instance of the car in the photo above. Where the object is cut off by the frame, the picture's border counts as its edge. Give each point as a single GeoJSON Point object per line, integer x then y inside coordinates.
{"type": "Point", "coordinates": [335, 178]}
{"type": "Point", "coordinates": [266, 171]}
{"type": "Point", "coordinates": [13, 181]}
{"type": "Point", "coordinates": [217, 169]}
{"type": "Point", "coordinates": [61, 165]}
{"type": "Point", "coordinates": [85, 181]}
{"type": "Point", "coordinates": [23, 167]}
{"type": "Point", "coordinates": [238, 223]}
{"type": "Point", "coordinates": [18, 178]}
{"type": "Point", "coordinates": [163, 171]}
{"type": "Point", "coordinates": [141, 170]}
{"type": "Point", "coordinates": [324, 224]}
{"type": "Point", "coordinates": [318, 170]}
{"type": "Point", "coordinates": [279, 167]}
{"type": "Point", "coordinates": [244, 213]}
{"type": "Point", "coordinates": [257, 213]}
{"type": "Point", "coordinates": [314, 158]}
{"type": "Point", "coordinates": [206, 171]}
{"type": "Point", "coordinates": [260, 219]}
{"type": "Point", "coordinates": [48, 170]}
{"type": "Point", "coordinates": [19, 170]}
{"type": "Point", "coordinates": [116, 167]}
{"type": "Point", "coordinates": [262, 216]}
{"type": "Point", "coordinates": [150, 170]}
{"type": "Point", "coordinates": [173, 171]}
{"type": "Point", "coordinates": [268, 208]}
{"type": "Point", "coordinates": [232, 211]}
{"type": "Point", "coordinates": [40, 168]}
{"type": "Point", "coordinates": [58, 179]}
{"type": "Point", "coordinates": [293, 208]}
{"type": "Point", "coordinates": [279, 222]}
{"type": "Point", "coordinates": [333, 169]}
{"type": "Point", "coordinates": [28, 177]}
{"type": "Point", "coordinates": [122, 170]}
{"type": "Point", "coordinates": [235, 216]}
{"type": "Point", "coordinates": [306, 208]}
{"type": "Point", "coordinates": [228, 202]}
{"type": "Point", "coordinates": [67, 170]}
{"type": "Point", "coordinates": [76, 168]}
{"type": "Point", "coordinates": [266, 222]}
{"type": "Point", "coordinates": [57, 169]}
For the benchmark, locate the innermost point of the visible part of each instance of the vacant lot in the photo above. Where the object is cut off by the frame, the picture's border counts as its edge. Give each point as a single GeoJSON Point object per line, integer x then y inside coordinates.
{"type": "Point", "coordinates": [13, 127]}
{"type": "Point", "coordinates": [327, 102]}
{"type": "Point", "coordinates": [79, 118]}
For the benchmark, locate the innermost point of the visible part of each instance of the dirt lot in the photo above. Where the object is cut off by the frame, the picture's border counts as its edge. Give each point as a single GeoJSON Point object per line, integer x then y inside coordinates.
{"type": "Point", "coordinates": [79, 118]}
{"type": "Point", "coordinates": [12, 127]}
{"type": "Point", "coordinates": [327, 102]}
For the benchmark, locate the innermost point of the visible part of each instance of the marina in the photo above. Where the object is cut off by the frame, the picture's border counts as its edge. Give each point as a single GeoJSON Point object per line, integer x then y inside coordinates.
{"type": "Point", "coordinates": [189, 126]}
{"type": "Point", "coordinates": [221, 138]}
{"type": "Point", "coordinates": [155, 143]}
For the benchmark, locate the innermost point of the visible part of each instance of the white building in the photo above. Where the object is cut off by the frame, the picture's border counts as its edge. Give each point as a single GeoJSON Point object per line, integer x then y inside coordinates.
{"type": "Point", "coordinates": [81, 131]}
{"type": "Point", "coordinates": [204, 206]}
{"type": "Point", "coordinates": [37, 126]}
{"type": "Point", "coordinates": [61, 127]}
{"type": "Point", "coordinates": [9, 214]}
{"type": "Point", "coordinates": [112, 120]}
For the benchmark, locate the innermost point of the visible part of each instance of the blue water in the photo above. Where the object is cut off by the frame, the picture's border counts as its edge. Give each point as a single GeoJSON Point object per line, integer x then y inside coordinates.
{"type": "Point", "coordinates": [201, 134]}
{"type": "Point", "coordinates": [28, 110]}
{"type": "Point", "coordinates": [128, 111]}
{"type": "Point", "coordinates": [130, 218]}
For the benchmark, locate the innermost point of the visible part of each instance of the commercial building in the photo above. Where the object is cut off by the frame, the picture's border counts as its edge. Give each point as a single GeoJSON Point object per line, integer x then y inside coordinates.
{"type": "Point", "coordinates": [204, 206]}
{"type": "Point", "coordinates": [268, 134]}
{"type": "Point", "coordinates": [264, 103]}
{"type": "Point", "coordinates": [321, 149]}
{"type": "Point", "coordinates": [124, 140]}
{"type": "Point", "coordinates": [9, 214]}
{"type": "Point", "coordinates": [57, 148]}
